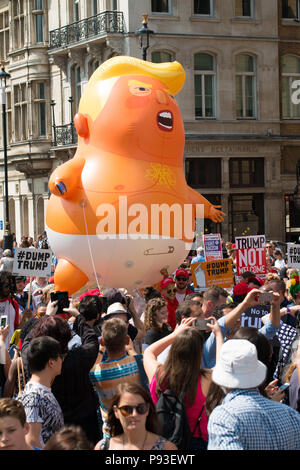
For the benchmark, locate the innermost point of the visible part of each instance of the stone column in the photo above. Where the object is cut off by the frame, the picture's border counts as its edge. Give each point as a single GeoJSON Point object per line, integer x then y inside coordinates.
{"type": "Point", "coordinates": [31, 229]}
{"type": "Point", "coordinates": [18, 218]}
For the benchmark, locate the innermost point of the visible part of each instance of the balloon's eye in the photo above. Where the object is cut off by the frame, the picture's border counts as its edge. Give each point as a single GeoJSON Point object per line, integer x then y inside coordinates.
{"type": "Point", "coordinates": [139, 90]}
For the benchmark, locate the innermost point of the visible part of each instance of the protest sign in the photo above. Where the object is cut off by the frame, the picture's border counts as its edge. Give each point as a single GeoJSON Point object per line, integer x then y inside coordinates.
{"type": "Point", "coordinates": [32, 262]}
{"type": "Point", "coordinates": [252, 316]}
{"type": "Point", "coordinates": [293, 253]}
{"type": "Point", "coordinates": [212, 273]}
{"type": "Point", "coordinates": [251, 255]}
{"type": "Point", "coordinates": [212, 247]}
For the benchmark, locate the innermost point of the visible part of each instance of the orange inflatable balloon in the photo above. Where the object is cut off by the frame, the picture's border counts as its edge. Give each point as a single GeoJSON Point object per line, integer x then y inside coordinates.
{"type": "Point", "coordinates": [121, 209]}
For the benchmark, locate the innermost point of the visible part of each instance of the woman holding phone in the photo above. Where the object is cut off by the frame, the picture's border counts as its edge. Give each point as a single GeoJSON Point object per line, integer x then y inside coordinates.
{"type": "Point", "coordinates": [182, 373]}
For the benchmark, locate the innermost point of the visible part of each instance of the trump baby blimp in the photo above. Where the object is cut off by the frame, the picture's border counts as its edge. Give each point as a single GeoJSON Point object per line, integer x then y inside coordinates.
{"type": "Point", "coordinates": [121, 209]}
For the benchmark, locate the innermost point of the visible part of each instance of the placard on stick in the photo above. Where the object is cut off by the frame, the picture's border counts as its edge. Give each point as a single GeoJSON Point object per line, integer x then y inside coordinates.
{"type": "Point", "coordinates": [212, 273]}
{"type": "Point", "coordinates": [251, 255]}
{"type": "Point", "coordinates": [32, 262]}
{"type": "Point", "coordinates": [293, 253]}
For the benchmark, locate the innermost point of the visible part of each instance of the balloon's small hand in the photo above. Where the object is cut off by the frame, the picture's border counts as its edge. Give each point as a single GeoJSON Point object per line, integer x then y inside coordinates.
{"type": "Point", "coordinates": [215, 214]}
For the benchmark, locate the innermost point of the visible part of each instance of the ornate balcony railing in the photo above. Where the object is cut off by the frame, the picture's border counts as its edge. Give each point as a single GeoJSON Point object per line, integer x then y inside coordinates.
{"type": "Point", "coordinates": [106, 22]}
{"type": "Point", "coordinates": [64, 135]}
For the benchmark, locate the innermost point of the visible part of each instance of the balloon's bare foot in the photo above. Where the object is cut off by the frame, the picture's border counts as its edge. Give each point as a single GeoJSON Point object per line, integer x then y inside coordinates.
{"type": "Point", "coordinates": [68, 277]}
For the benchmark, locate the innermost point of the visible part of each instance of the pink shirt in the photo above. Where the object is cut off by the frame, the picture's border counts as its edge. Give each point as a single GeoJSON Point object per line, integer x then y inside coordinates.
{"type": "Point", "coordinates": [192, 411]}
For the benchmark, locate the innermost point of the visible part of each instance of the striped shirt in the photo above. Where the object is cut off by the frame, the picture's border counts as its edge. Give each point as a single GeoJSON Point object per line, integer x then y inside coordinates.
{"type": "Point", "coordinates": [246, 420]}
{"type": "Point", "coordinates": [107, 375]}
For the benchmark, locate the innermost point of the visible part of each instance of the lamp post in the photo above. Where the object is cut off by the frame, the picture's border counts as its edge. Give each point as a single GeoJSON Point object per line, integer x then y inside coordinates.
{"type": "Point", "coordinates": [7, 239]}
{"type": "Point", "coordinates": [52, 104]}
{"type": "Point", "coordinates": [71, 101]}
{"type": "Point", "coordinates": [144, 33]}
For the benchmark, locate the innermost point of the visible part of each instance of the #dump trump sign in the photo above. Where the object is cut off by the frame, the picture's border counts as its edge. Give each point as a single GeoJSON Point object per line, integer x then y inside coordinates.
{"type": "Point", "coordinates": [251, 255]}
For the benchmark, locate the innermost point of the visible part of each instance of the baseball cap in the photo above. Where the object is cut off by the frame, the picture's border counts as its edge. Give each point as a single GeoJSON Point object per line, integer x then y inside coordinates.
{"type": "Point", "coordinates": [165, 282]}
{"type": "Point", "coordinates": [241, 288]}
{"type": "Point", "coordinates": [181, 272]}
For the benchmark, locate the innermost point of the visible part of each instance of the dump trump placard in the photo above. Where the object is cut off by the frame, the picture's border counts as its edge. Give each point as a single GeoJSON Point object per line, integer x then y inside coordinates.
{"type": "Point", "coordinates": [212, 273]}
{"type": "Point", "coordinates": [251, 255]}
{"type": "Point", "coordinates": [293, 253]}
{"type": "Point", "coordinates": [32, 262]}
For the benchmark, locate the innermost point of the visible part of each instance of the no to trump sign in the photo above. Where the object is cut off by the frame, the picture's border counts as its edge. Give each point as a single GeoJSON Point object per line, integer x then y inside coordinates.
{"type": "Point", "coordinates": [251, 255]}
{"type": "Point", "coordinates": [32, 262]}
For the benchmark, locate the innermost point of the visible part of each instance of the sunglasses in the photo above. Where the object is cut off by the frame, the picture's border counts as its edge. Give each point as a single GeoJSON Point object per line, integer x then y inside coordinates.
{"type": "Point", "coordinates": [127, 410]}
{"type": "Point", "coordinates": [171, 290]}
{"type": "Point", "coordinates": [5, 285]}
{"type": "Point", "coordinates": [181, 278]}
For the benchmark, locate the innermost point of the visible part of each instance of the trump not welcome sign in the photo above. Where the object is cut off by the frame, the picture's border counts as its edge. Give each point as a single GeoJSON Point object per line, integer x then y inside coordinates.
{"type": "Point", "coordinates": [251, 254]}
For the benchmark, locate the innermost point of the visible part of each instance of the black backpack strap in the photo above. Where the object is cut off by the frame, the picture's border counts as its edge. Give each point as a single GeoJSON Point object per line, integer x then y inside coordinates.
{"type": "Point", "coordinates": [144, 379]}
{"type": "Point", "coordinates": [198, 424]}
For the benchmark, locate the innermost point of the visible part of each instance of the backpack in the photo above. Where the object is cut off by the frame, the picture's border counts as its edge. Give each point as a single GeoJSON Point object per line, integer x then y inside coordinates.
{"type": "Point", "coordinates": [172, 417]}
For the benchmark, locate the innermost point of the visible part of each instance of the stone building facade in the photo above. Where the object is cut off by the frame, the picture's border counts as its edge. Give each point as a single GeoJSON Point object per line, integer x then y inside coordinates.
{"type": "Point", "coordinates": [240, 58]}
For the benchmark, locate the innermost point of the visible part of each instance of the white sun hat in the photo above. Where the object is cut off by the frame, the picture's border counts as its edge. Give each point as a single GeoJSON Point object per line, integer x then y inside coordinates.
{"type": "Point", "coordinates": [238, 366]}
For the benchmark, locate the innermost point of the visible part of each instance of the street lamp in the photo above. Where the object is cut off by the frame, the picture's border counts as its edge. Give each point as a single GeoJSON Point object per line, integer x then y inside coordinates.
{"type": "Point", "coordinates": [7, 239]}
{"type": "Point", "coordinates": [144, 34]}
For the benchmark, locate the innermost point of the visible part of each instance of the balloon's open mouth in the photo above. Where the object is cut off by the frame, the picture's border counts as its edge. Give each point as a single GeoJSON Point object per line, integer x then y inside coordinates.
{"type": "Point", "coordinates": [165, 120]}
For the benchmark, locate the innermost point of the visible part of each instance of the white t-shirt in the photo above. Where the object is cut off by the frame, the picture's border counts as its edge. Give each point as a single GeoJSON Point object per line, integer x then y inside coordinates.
{"type": "Point", "coordinates": [279, 263]}
{"type": "Point", "coordinates": [180, 297]}
{"type": "Point", "coordinates": [42, 407]}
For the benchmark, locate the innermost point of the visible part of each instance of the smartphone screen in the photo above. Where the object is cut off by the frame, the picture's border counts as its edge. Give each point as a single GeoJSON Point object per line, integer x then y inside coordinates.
{"type": "Point", "coordinates": [62, 298]}
{"type": "Point", "coordinates": [201, 324]}
{"type": "Point", "coordinates": [3, 321]}
{"type": "Point", "coordinates": [284, 387]}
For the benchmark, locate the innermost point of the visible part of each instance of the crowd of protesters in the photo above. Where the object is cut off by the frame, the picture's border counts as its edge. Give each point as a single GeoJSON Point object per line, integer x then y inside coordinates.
{"type": "Point", "coordinates": [92, 377]}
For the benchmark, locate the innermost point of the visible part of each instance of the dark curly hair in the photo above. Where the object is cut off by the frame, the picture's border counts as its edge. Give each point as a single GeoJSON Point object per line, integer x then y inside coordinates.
{"type": "Point", "coordinates": [152, 307]}
{"type": "Point", "coordinates": [55, 327]}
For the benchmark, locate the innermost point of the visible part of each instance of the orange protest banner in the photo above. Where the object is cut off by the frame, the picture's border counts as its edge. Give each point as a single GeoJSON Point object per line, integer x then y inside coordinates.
{"type": "Point", "coordinates": [212, 273]}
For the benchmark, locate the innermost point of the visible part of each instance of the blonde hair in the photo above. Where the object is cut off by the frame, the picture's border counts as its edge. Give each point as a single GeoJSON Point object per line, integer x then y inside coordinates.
{"type": "Point", "coordinates": [46, 291]}
{"type": "Point", "coordinates": [171, 74]}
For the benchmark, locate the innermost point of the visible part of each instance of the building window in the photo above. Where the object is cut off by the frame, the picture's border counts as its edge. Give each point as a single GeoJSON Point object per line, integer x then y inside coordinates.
{"type": "Point", "coordinates": [246, 172]}
{"type": "Point", "coordinates": [20, 106]}
{"type": "Point", "coordinates": [244, 8]}
{"type": "Point", "coordinates": [4, 34]}
{"type": "Point", "coordinates": [290, 9]}
{"type": "Point", "coordinates": [19, 24]}
{"type": "Point", "coordinates": [95, 10]}
{"type": "Point", "coordinates": [76, 15]}
{"type": "Point", "coordinates": [161, 6]}
{"type": "Point", "coordinates": [203, 7]}
{"type": "Point", "coordinates": [245, 86]}
{"type": "Point", "coordinates": [290, 66]}
{"type": "Point", "coordinates": [246, 215]}
{"type": "Point", "coordinates": [114, 5]}
{"type": "Point", "coordinates": [40, 102]}
{"type": "Point", "coordinates": [161, 56]}
{"type": "Point", "coordinates": [39, 20]}
{"type": "Point", "coordinates": [204, 66]}
{"type": "Point", "coordinates": [203, 172]}
{"type": "Point", "coordinates": [77, 76]}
